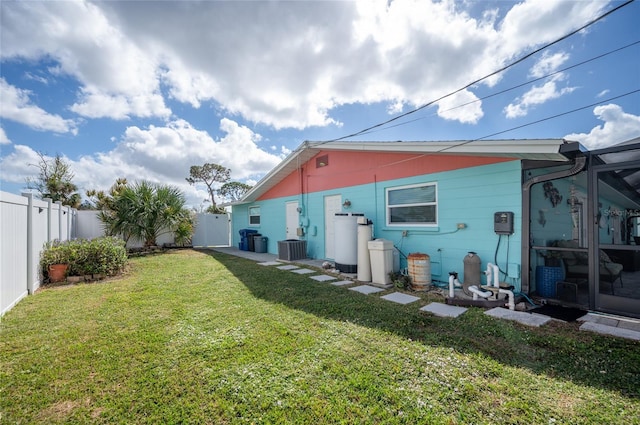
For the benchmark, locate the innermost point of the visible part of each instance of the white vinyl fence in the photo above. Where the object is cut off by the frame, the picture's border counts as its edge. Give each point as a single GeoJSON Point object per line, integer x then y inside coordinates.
{"type": "Point", "coordinates": [26, 225]}
{"type": "Point", "coordinates": [211, 230]}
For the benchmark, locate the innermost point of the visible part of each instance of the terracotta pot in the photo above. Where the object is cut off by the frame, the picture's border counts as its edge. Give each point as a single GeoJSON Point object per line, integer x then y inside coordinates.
{"type": "Point", "coordinates": [58, 272]}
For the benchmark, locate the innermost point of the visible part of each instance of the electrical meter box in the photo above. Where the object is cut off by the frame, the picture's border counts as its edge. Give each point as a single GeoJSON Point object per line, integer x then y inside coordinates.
{"type": "Point", "coordinates": [503, 223]}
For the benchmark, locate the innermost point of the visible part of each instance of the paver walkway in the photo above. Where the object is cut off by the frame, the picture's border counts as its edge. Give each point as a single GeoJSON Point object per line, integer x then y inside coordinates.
{"type": "Point", "coordinates": [593, 322]}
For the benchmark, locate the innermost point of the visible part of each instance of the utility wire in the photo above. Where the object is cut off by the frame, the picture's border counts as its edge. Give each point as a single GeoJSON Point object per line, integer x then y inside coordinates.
{"type": "Point", "coordinates": [541, 120]}
{"type": "Point", "coordinates": [510, 88]}
{"type": "Point", "coordinates": [517, 61]}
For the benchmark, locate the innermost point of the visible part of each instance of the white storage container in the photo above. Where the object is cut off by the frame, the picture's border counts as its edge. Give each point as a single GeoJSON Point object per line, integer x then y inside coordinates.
{"type": "Point", "coordinates": [381, 254]}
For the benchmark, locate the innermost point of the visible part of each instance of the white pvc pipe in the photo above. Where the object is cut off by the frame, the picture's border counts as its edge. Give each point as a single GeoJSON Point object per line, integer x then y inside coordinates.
{"type": "Point", "coordinates": [453, 283]}
{"type": "Point", "coordinates": [512, 303]}
{"type": "Point", "coordinates": [451, 286]}
{"type": "Point", "coordinates": [493, 275]}
{"type": "Point", "coordinates": [478, 292]}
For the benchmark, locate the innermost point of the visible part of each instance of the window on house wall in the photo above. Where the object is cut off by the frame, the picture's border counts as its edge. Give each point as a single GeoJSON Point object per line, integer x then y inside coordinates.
{"type": "Point", "coordinates": [254, 216]}
{"type": "Point", "coordinates": [413, 205]}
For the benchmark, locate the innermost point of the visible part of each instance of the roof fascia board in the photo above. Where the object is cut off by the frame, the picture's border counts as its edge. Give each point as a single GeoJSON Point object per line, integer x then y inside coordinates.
{"type": "Point", "coordinates": [497, 147]}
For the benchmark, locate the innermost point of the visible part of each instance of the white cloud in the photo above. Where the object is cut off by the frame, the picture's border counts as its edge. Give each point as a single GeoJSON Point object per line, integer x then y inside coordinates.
{"type": "Point", "coordinates": [603, 93]}
{"type": "Point", "coordinates": [618, 127]}
{"type": "Point", "coordinates": [112, 71]}
{"type": "Point", "coordinates": [19, 164]}
{"type": "Point", "coordinates": [100, 105]}
{"type": "Point", "coordinates": [548, 63]}
{"type": "Point", "coordinates": [159, 154]}
{"type": "Point", "coordinates": [17, 106]}
{"type": "Point", "coordinates": [4, 139]}
{"type": "Point", "coordinates": [464, 106]}
{"type": "Point", "coordinates": [540, 94]}
{"type": "Point", "coordinates": [537, 95]}
{"type": "Point", "coordinates": [38, 78]}
{"type": "Point", "coordinates": [319, 56]}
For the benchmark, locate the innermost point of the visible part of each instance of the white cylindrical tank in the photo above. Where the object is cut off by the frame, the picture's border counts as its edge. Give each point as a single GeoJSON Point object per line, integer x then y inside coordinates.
{"type": "Point", "coordinates": [365, 234]}
{"type": "Point", "coordinates": [381, 252]}
{"type": "Point", "coordinates": [346, 242]}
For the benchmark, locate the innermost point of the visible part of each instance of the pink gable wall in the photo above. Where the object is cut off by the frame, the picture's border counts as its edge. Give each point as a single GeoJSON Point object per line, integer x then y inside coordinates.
{"type": "Point", "coordinates": [356, 168]}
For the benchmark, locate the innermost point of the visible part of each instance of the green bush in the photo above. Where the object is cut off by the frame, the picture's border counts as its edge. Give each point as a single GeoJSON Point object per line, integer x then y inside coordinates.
{"type": "Point", "coordinates": [106, 256]}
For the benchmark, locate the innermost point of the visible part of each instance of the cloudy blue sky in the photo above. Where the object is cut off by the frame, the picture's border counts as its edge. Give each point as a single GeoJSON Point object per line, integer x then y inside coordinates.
{"type": "Point", "coordinates": [145, 89]}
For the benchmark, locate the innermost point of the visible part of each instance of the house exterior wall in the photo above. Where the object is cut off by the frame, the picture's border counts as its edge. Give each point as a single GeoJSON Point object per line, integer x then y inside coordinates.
{"type": "Point", "coordinates": [470, 190]}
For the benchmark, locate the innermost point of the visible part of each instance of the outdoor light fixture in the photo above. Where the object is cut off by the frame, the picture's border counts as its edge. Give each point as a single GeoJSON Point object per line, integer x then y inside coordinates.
{"type": "Point", "coordinates": [346, 203]}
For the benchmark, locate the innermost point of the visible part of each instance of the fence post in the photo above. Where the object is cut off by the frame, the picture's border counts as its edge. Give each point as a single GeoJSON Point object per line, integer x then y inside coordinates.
{"type": "Point", "coordinates": [48, 201]}
{"type": "Point", "coordinates": [29, 197]}
{"type": "Point", "coordinates": [68, 212]}
{"type": "Point", "coordinates": [59, 220]}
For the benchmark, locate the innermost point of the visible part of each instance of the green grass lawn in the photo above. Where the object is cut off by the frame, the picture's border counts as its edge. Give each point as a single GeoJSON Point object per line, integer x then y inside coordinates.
{"type": "Point", "coordinates": [203, 337]}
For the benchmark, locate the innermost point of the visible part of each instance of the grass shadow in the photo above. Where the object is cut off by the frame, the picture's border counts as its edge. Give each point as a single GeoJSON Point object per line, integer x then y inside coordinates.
{"type": "Point", "coordinates": [556, 349]}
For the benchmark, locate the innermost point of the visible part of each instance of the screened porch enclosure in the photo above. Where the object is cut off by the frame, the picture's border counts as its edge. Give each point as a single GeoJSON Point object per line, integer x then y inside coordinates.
{"type": "Point", "coordinates": [585, 233]}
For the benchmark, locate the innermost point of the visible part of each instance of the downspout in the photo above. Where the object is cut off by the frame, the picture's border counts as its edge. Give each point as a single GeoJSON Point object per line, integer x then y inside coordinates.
{"type": "Point", "coordinates": [578, 166]}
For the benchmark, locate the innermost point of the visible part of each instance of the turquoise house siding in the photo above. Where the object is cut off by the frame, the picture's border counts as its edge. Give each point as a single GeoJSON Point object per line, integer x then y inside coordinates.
{"type": "Point", "coordinates": [470, 196]}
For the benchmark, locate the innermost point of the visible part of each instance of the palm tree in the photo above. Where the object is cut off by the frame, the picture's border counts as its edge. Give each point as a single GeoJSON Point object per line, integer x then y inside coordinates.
{"type": "Point", "coordinates": [146, 211]}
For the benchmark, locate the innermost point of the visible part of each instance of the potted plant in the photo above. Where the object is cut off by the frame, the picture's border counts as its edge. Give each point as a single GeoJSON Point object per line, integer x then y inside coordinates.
{"type": "Point", "coordinates": [54, 261]}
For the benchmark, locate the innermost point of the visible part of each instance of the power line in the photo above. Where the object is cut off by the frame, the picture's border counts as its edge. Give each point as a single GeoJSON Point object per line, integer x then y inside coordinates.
{"type": "Point", "coordinates": [541, 120]}
{"type": "Point", "coordinates": [517, 61]}
{"type": "Point", "coordinates": [512, 87]}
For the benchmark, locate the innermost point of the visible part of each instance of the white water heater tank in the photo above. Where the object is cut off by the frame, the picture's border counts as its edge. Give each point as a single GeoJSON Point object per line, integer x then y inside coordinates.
{"type": "Point", "coordinates": [346, 242]}
{"type": "Point", "coordinates": [365, 234]}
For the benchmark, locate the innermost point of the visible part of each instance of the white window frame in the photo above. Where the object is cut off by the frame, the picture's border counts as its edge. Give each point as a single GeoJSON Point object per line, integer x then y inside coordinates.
{"type": "Point", "coordinates": [254, 207]}
{"type": "Point", "coordinates": [417, 204]}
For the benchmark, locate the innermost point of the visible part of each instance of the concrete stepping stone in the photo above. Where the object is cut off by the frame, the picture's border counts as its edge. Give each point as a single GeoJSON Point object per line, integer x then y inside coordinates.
{"type": "Point", "coordinates": [303, 271]}
{"type": "Point", "coordinates": [443, 310]}
{"type": "Point", "coordinates": [535, 320]}
{"type": "Point", "coordinates": [366, 289]}
{"type": "Point", "coordinates": [400, 298]}
{"type": "Point", "coordinates": [288, 267]}
{"type": "Point", "coordinates": [342, 283]}
{"type": "Point", "coordinates": [610, 330]}
{"type": "Point", "coordinates": [323, 278]}
{"type": "Point", "coordinates": [270, 263]}
{"type": "Point", "coordinates": [611, 325]}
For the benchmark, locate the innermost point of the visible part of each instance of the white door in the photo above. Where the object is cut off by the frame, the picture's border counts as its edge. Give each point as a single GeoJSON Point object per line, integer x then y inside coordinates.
{"type": "Point", "coordinates": [332, 205]}
{"type": "Point", "coordinates": [292, 220]}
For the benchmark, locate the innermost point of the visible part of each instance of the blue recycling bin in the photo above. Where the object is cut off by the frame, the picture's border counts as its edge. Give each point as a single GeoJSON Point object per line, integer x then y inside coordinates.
{"type": "Point", "coordinates": [245, 234]}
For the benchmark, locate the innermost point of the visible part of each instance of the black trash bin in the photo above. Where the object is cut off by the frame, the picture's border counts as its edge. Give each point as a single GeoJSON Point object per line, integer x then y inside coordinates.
{"type": "Point", "coordinates": [245, 237]}
{"type": "Point", "coordinates": [252, 241]}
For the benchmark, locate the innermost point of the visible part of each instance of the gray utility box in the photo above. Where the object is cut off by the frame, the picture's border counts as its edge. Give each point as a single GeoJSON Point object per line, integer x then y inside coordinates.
{"type": "Point", "coordinates": [292, 249]}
